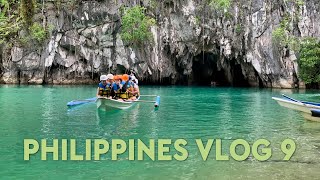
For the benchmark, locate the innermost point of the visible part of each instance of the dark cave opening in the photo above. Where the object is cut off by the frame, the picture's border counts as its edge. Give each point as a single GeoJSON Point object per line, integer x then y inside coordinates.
{"type": "Point", "coordinates": [121, 69]}
{"type": "Point", "coordinates": [19, 76]}
{"type": "Point", "coordinates": [238, 78]}
{"type": "Point", "coordinates": [206, 72]}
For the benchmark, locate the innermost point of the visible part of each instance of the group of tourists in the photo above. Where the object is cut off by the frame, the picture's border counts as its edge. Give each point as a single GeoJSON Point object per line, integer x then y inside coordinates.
{"type": "Point", "coordinates": [121, 87]}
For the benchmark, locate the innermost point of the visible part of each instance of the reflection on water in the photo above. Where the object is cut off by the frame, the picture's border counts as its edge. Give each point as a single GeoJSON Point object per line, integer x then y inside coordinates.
{"type": "Point", "coordinates": [48, 111]}
{"type": "Point", "coordinates": [121, 121]}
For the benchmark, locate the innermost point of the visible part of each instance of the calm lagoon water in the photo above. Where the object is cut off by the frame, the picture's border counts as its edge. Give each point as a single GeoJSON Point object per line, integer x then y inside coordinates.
{"type": "Point", "coordinates": [40, 112]}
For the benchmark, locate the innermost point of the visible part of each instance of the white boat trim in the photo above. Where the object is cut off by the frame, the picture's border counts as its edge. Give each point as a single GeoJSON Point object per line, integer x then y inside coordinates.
{"type": "Point", "coordinates": [296, 105]}
{"type": "Point", "coordinates": [105, 103]}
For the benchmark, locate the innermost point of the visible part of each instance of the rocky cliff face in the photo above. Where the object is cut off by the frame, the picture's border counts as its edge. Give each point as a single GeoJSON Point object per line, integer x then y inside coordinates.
{"type": "Point", "coordinates": [193, 44]}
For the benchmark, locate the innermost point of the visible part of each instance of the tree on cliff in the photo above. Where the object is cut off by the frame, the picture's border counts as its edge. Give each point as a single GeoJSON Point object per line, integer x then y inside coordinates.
{"type": "Point", "coordinates": [309, 61]}
{"type": "Point", "coordinates": [136, 25]}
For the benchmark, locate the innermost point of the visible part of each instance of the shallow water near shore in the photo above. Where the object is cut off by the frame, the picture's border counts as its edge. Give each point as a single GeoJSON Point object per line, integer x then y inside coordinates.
{"type": "Point", "coordinates": [40, 112]}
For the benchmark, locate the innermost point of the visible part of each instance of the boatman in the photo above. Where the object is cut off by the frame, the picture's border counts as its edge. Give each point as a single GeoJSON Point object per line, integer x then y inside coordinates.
{"type": "Point", "coordinates": [133, 78]}
{"type": "Point", "coordinates": [104, 86]}
{"type": "Point", "coordinates": [134, 90]}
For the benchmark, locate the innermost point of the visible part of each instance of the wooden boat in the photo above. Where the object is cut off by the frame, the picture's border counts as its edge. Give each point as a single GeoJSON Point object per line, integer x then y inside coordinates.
{"type": "Point", "coordinates": [105, 103]}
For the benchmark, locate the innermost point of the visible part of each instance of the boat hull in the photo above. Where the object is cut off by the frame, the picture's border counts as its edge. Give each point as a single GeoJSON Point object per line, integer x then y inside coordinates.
{"type": "Point", "coordinates": [310, 117]}
{"type": "Point", "coordinates": [103, 103]}
{"type": "Point", "coordinates": [315, 112]}
{"type": "Point", "coordinates": [306, 108]}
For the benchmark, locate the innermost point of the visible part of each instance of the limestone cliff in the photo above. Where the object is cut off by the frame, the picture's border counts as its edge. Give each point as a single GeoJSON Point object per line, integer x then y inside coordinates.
{"type": "Point", "coordinates": [193, 44]}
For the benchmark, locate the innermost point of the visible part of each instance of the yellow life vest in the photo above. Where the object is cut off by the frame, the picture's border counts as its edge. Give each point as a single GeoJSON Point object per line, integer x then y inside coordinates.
{"type": "Point", "coordinates": [122, 95]}
{"type": "Point", "coordinates": [104, 92]}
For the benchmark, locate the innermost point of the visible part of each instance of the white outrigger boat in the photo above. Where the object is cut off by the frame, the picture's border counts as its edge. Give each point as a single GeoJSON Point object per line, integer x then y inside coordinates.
{"type": "Point", "coordinates": [296, 105]}
{"type": "Point", "coordinates": [310, 110]}
{"type": "Point", "coordinates": [107, 103]}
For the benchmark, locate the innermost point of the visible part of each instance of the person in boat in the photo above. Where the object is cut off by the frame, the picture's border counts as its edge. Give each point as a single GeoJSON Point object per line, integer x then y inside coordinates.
{"type": "Point", "coordinates": [104, 86]}
{"type": "Point", "coordinates": [125, 84]}
{"type": "Point", "coordinates": [115, 87]}
{"type": "Point", "coordinates": [122, 87]}
{"type": "Point", "coordinates": [133, 77]}
{"type": "Point", "coordinates": [134, 91]}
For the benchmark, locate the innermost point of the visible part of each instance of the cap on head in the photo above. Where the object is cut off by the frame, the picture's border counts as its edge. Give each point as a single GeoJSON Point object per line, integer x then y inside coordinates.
{"type": "Point", "coordinates": [110, 76]}
{"type": "Point", "coordinates": [103, 78]}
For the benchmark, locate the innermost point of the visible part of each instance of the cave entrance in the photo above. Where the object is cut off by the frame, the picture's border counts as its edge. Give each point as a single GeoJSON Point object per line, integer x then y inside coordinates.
{"type": "Point", "coordinates": [238, 78]}
{"type": "Point", "coordinates": [206, 72]}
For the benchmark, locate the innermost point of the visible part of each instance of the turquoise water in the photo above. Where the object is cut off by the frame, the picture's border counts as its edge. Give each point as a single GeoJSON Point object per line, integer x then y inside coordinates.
{"type": "Point", "coordinates": [38, 112]}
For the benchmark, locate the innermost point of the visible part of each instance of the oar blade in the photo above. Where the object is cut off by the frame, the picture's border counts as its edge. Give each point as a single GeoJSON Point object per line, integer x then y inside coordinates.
{"type": "Point", "coordinates": [80, 102]}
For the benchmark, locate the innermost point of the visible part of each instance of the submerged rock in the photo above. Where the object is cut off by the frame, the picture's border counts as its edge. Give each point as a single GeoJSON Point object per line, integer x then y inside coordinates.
{"type": "Point", "coordinates": [193, 44]}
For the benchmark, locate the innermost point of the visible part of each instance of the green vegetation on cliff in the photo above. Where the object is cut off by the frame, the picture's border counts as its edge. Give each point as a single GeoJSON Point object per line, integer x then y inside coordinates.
{"type": "Point", "coordinates": [309, 61]}
{"type": "Point", "coordinates": [308, 48]}
{"type": "Point", "coordinates": [136, 25]}
{"type": "Point", "coordinates": [17, 16]}
{"type": "Point", "coordinates": [9, 20]}
{"type": "Point", "coordinates": [283, 35]}
{"type": "Point", "coordinates": [220, 4]}
{"type": "Point", "coordinates": [27, 10]}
